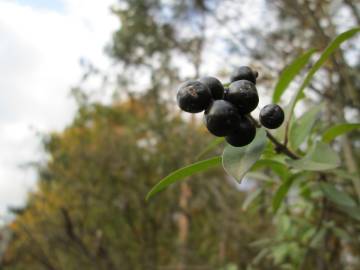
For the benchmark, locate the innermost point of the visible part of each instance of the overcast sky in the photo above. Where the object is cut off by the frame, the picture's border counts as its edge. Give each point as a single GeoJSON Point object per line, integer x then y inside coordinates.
{"type": "Point", "coordinates": [41, 42]}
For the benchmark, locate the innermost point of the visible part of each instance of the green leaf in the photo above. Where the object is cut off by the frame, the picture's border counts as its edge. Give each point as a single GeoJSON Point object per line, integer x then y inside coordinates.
{"type": "Point", "coordinates": [250, 198]}
{"type": "Point", "coordinates": [338, 130]}
{"type": "Point", "coordinates": [320, 157]}
{"type": "Point", "coordinates": [237, 161]}
{"type": "Point", "coordinates": [301, 128]}
{"type": "Point", "coordinates": [289, 74]}
{"type": "Point", "coordinates": [281, 193]}
{"type": "Point", "coordinates": [278, 167]}
{"type": "Point", "coordinates": [345, 174]}
{"type": "Point", "coordinates": [318, 237]}
{"type": "Point", "coordinates": [336, 196]}
{"type": "Point", "coordinates": [210, 147]}
{"type": "Point", "coordinates": [258, 175]}
{"type": "Point", "coordinates": [261, 255]}
{"type": "Point", "coordinates": [326, 55]}
{"type": "Point", "coordinates": [341, 233]}
{"type": "Point", "coordinates": [322, 59]}
{"type": "Point", "coordinates": [183, 173]}
{"type": "Point", "coordinates": [353, 212]}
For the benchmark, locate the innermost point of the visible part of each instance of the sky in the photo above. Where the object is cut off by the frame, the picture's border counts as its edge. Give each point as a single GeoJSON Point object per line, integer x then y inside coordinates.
{"type": "Point", "coordinates": [42, 42]}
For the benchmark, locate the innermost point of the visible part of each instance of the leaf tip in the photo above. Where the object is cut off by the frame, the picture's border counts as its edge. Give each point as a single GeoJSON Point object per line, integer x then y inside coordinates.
{"type": "Point", "coordinates": [148, 197]}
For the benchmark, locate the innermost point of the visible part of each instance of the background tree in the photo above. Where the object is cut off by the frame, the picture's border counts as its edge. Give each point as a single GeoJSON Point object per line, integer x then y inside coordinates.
{"type": "Point", "coordinates": [89, 209]}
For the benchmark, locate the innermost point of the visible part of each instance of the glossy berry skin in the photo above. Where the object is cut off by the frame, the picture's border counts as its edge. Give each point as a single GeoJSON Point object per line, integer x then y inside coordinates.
{"type": "Point", "coordinates": [243, 134]}
{"type": "Point", "coordinates": [244, 73]}
{"type": "Point", "coordinates": [221, 118]}
{"type": "Point", "coordinates": [271, 116]}
{"type": "Point", "coordinates": [193, 96]}
{"type": "Point", "coordinates": [243, 95]}
{"type": "Point", "coordinates": [215, 86]}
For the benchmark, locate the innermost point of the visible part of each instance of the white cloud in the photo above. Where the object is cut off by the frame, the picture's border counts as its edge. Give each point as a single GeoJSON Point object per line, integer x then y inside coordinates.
{"type": "Point", "coordinates": [40, 51]}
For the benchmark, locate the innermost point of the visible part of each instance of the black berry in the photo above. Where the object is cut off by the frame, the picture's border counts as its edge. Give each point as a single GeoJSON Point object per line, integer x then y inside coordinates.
{"type": "Point", "coordinates": [193, 96]}
{"type": "Point", "coordinates": [243, 133]}
{"type": "Point", "coordinates": [215, 86]}
{"type": "Point", "coordinates": [271, 116]}
{"type": "Point", "coordinates": [221, 118]}
{"type": "Point", "coordinates": [244, 73]}
{"type": "Point", "coordinates": [243, 95]}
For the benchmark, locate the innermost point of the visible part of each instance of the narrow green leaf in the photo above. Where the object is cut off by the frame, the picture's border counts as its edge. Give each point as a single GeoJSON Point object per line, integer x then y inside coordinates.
{"type": "Point", "coordinates": [278, 167]}
{"type": "Point", "coordinates": [289, 74]}
{"type": "Point", "coordinates": [301, 128]}
{"type": "Point", "coordinates": [353, 212]}
{"type": "Point", "coordinates": [309, 165]}
{"type": "Point", "coordinates": [326, 55]}
{"type": "Point", "coordinates": [318, 237]}
{"type": "Point", "coordinates": [281, 193]}
{"type": "Point", "coordinates": [338, 130]}
{"type": "Point", "coordinates": [210, 147]}
{"type": "Point", "coordinates": [261, 255]}
{"type": "Point", "coordinates": [182, 173]}
{"type": "Point", "coordinates": [342, 173]}
{"type": "Point", "coordinates": [322, 59]}
{"type": "Point", "coordinates": [250, 198]}
{"type": "Point", "coordinates": [258, 175]}
{"type": "Point", "coordinates": [341, 233]}
{"type": "Point", "coordinates": [237, 161]}
{"type": "Point", "coordinates": [336, 196]}
{"type": "Point", "coordinates": [319, 158]}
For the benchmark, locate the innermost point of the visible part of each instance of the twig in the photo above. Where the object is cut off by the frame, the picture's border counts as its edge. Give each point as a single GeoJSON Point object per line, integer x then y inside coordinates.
{"type": "Point", "coordinates": [286, 138]}
{"type": "Point", "coordinates": [70, 231]}
{"type": "Point", "coordinates": [282, 148]}
{"type": "Point", "coordinates": [279, 147]}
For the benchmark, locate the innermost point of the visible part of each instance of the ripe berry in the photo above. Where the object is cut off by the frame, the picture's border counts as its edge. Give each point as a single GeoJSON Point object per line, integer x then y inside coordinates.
{"type": "Point", "coordinates": [193, 96]}
{"type": "Point", "coordinates": [221, 117]}
{"type": "Point", "coordinates": [243, 95]}
{"type": "Point", "coordinates": [243, 134]}
{"type": "Point", "coordinates": [271, 116]}
{"type": "Point", "coordinates": [244, 73]}
{"type": "Point", "coordinates": [215, 86]}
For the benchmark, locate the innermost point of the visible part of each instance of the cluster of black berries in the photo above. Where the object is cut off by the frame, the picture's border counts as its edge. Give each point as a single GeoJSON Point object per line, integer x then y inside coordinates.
{"type": "Point", "coordinates": [227, 109]}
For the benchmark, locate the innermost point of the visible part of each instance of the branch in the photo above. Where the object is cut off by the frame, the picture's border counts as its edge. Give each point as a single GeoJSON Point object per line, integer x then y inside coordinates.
{"type": "Point", "coordinates": [70, 231]}
{"type": "Point", "coordinates": [279, 147]}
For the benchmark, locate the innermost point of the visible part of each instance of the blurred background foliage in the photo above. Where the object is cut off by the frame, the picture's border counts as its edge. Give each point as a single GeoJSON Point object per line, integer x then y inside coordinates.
{"type": "Point", "coordinates": [89, 209]}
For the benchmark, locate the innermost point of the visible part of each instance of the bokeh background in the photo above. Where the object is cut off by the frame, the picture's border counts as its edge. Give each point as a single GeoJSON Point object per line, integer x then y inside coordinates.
{"type": "Point", "coordinates": [89, 123]}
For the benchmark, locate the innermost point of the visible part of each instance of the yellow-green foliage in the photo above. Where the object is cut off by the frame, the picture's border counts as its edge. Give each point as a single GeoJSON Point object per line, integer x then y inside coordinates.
{"type": "Point", "coordinates": [89, 210]}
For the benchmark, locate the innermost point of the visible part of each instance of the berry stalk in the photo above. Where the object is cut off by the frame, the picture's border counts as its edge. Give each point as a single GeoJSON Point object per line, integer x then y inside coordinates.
{"type": "Point", "coordinates": [279, 147]}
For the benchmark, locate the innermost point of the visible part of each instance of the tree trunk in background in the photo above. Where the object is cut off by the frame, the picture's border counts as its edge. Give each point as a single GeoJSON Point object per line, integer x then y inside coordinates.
{"type": "Point", "coordinates": [183, 225]}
